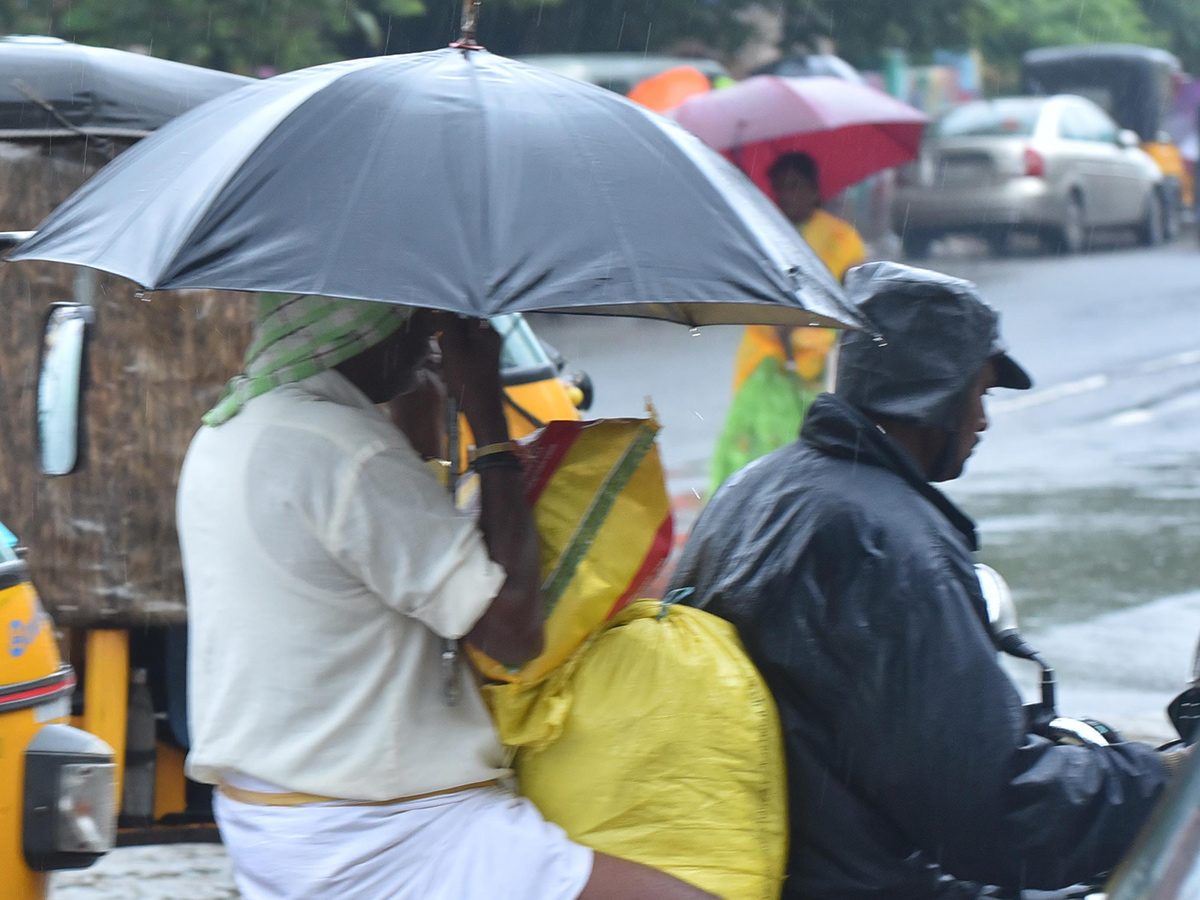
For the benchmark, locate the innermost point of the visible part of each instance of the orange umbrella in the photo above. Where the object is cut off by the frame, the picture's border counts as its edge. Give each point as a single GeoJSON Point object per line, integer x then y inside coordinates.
{"type": "Point", "coordinates": [668, 89]}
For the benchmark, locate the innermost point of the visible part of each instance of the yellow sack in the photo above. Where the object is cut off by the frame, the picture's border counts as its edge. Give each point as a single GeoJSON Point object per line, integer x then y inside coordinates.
{"type": "Point", "coordinates": [658, 741]}
{"type": "Point", "coordinates": [603, 517]}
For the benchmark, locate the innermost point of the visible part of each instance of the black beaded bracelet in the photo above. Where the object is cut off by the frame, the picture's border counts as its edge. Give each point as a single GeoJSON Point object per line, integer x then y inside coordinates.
{"type": "Point", "coordinates": [504, 459]}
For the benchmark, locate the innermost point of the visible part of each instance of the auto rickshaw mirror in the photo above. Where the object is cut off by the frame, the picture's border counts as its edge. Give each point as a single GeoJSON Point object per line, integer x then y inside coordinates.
{"type": "Point", "coordinates": [60, 387]}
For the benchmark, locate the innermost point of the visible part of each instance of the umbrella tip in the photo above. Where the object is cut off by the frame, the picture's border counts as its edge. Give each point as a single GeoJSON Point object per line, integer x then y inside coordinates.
{"type": "Point", "coordinates": [466, 35]}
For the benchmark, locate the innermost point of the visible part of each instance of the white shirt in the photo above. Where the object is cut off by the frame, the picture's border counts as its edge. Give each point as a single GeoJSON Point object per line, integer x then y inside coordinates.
{"type": "Point", "coordinates": [324, 564]}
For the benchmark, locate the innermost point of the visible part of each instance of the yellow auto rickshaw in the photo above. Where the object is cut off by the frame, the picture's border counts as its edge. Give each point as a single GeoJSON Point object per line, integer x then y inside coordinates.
{"type": "Point", "coordinates": [1137, 86]}
{"type": "Point", "coordinates": [57, 783]}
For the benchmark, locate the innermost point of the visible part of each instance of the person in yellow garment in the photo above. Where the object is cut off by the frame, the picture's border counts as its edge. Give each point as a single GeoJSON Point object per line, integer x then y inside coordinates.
{"type": "Point", "coordinates": [762, 419]}
{"type": "Point", "coordinates": [795, 185]}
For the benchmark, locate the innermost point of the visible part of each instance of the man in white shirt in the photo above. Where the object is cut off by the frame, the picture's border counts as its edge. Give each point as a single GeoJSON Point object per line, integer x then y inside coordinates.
{"type": "Point", "coordinates": [325, 570]}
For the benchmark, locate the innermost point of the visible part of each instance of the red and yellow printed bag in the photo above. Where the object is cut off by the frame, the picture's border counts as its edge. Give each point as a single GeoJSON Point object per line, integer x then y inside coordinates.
{"type": "Point", "coordinates": [600, 503]}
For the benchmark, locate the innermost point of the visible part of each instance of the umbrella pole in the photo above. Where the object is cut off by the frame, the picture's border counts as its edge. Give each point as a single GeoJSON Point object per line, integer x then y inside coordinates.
{"type": "Point", "coordinates": [451, 691]}
{"type": "Point", "coordinates": [452, 440]}
{"type": "Point", "coordinates": [470, 17]}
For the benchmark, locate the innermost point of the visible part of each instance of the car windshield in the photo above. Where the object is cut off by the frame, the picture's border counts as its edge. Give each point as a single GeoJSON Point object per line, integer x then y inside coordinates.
{"type": "Point", "coordinates": [992, 118]}
{"type": "Point", "coordinates": [521, 349]}
{"type": "Point", "coordinates": [8, 543]}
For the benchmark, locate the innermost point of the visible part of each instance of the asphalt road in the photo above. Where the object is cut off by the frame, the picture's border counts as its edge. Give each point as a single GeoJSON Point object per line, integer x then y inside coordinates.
{"type": "Point", "coordinates": [1087, 489]}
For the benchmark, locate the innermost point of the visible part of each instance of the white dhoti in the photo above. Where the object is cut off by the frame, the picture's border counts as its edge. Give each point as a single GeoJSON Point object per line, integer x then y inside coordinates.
{"type": "Point", "coordinates": [478, 844]}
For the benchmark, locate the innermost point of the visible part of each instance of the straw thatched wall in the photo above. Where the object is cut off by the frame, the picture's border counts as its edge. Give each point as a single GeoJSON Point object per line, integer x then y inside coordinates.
{"type": "Point", "coordinates": [102, 541]}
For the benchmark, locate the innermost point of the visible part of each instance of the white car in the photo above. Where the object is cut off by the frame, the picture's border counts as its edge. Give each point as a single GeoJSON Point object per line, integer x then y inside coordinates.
{"type": "Point", "coordinates": [1056, 167]}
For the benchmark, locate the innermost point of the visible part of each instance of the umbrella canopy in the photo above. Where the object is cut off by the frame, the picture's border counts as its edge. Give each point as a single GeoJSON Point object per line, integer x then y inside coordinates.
{"type": "Point", "coordinates": [49, 88]}
{"type": "Point", "coordinates": [455, 180]}
{"type": "Point", "coordinates": [668, 89]}
{"type": "Point", "coordinates": [851, 130]}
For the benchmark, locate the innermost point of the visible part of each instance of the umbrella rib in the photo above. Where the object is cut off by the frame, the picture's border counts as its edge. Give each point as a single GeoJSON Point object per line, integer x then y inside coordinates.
{"type": "Point", "coordinates": [352, 207]}
{"type": "Point", "coordinates": [185, 233]}
{"type": "Point", "coordinates": [618, 233]}
{"type": "Point", "coordinates": [895, 140]}
{"type": "Point", "coordinates": [484, 267]}
{"type": "Point", "coordinates": [790, 95]}
{"type": "Point", "coordinates": [203, 208]}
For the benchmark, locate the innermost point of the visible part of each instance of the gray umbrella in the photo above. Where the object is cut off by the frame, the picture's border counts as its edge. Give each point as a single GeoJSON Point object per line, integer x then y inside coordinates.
{"type": "Point", "coordinates": [49, 88]}
{"type": "Point", "coordinates": [452, 179]}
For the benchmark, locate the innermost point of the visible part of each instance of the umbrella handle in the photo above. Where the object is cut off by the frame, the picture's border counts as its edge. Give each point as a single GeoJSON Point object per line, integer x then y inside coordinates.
{"type": "Point", "coordinates": [452, 439]}
{"type": "Point", "coordinates": [450, 689]}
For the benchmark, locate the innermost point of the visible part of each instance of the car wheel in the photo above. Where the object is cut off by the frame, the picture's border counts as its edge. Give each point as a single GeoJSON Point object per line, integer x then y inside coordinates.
{"type": "Point", "coordinates": [999, 242]}
{"type": "Point", "coordinates": [1173, 214]}
{"type": "Point", "coordinates": [1150, 230]}
{"type": "Point", "coordinates": [916, 244]}
{"type": "Point", "coordinates": [1071, 234]}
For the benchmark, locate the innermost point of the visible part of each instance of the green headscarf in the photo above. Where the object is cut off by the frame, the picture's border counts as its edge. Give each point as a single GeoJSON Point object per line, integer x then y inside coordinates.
{"type": "Point", "coordinates": [297, 336]}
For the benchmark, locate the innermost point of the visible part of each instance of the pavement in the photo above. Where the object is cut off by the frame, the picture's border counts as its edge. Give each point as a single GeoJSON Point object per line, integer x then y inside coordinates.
{"type": "Point", "coordinates": [1087, 489]}
{"type": "Point", "coordinates": [167, 872]}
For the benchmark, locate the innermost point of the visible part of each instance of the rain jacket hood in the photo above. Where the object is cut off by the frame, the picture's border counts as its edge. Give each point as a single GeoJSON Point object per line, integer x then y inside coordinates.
{"type": "Point", "coordinates": [931, 335]}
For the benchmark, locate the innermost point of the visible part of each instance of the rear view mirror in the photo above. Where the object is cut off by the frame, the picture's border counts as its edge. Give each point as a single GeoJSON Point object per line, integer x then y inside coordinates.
{"type": "Point", "coordinates": [1128, 139]}
{"type": "Point", "coordinates": [1001, 608]}
{"type": "Point", "coordinates": [1196, 666]}
{"type": "Point", "coordinates": [60, 387]}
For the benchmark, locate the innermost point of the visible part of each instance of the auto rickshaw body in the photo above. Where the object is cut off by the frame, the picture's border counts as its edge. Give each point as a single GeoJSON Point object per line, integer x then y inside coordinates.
{"type": "Point", "coordinates": [1135, 85]}
{"type": "Point", "coordinates": [57, 784]}
{"type": "Point", "coordinates": [30, 671]}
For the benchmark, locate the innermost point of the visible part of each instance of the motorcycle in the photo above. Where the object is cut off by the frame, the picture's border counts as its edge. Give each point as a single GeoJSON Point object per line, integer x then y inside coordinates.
{"type": "Point", "coordinates": [1164, 863]}
{"type": "Point", "coordinates": [1043, 715]}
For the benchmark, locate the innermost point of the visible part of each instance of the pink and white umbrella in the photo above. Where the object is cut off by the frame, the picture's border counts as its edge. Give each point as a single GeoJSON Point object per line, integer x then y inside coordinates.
{"type": "Point", "coordinates": [851, 130]}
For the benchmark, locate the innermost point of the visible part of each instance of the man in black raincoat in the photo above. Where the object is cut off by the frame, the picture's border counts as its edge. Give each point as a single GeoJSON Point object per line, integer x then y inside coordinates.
{"type": "Point", "coordinates": [912, 774]}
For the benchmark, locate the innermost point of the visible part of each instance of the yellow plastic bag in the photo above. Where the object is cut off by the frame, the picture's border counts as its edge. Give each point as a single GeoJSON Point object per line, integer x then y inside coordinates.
{"type": "Point", "coordinates": [658, 741]}
{"type": "Point", "coordinates": [603, 517]}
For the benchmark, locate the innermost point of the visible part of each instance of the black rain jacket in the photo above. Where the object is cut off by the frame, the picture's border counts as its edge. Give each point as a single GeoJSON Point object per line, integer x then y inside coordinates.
{"type": "Point", "coordinates": [911, 774]}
